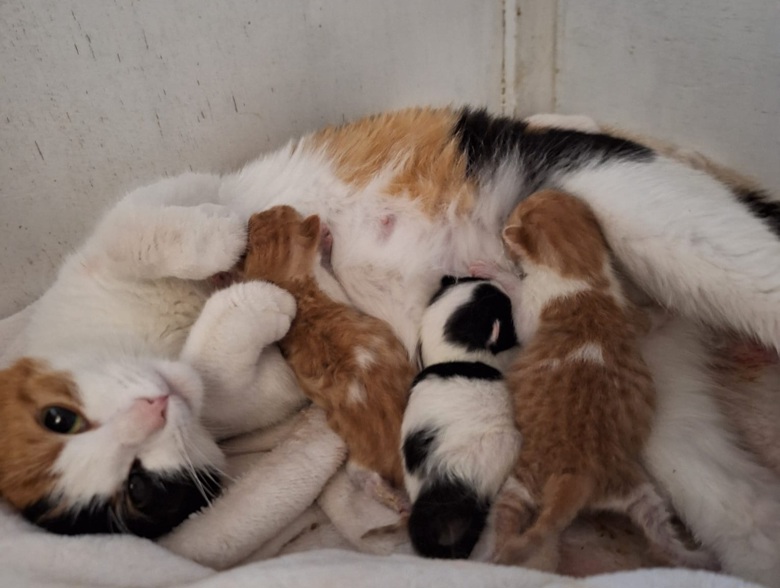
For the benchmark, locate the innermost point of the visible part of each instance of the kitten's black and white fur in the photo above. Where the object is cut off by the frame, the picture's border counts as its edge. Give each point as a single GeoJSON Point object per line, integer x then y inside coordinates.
{"type": "Point", "coordinates": [459, 436]}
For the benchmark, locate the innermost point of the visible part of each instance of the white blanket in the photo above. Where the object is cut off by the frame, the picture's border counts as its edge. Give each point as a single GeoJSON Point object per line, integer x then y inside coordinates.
{"type": "Point", "coordinates": [289, 517]}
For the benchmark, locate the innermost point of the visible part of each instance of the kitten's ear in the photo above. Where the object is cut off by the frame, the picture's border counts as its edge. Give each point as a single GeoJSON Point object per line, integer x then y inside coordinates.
{"type": "Point", "coordinates": [518, 239]}
{"type": "Point", "coordinates": [310, 228]}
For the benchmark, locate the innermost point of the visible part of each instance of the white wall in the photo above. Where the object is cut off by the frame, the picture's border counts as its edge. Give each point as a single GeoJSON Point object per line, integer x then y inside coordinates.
{"type": "Point", "coordinates": [98, 96]}
{"type": "Point", "coordinates": [704, 73]}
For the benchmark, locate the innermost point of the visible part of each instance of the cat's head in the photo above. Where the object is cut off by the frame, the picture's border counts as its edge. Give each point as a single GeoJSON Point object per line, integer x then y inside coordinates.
{"type": "Point", "coordinates": [105, 446]}
{"type": "Point", "coordinates": [556, 230]}
{"type": "Point", "coordinates": [467, 319]}
{"type": "Point", "coordinates": [282, 245]}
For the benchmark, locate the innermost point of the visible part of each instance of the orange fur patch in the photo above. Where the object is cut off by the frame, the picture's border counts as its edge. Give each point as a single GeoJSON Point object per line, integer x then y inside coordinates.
{"type": "Point", "coordinates": [29, 449]}
{"type": "Point", "coordinates": [329, 345]}
{"type": "Point", "coordinates": [559, 231]}
{"type": "Point", "coordinates": [416, 144]}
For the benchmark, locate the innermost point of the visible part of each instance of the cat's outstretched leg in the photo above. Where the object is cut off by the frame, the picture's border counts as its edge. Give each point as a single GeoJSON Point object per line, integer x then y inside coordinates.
{"type": "Point", "coordinates": [736, 512]}
{"type": "Point", "coordinates": [248, 383]}
{"type": "Point", "coordinates": [648, 510]}
{"type": "Point", "coordinates": [145, 238]}
{"type": "Point", "coordinates": [692, 243]}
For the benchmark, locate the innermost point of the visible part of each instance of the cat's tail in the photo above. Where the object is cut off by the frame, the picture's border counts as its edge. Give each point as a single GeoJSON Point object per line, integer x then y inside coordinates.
{"type": "Point", "coordinates": [447, 519]}
{"type": "Point", "coordinates": [563, 498]}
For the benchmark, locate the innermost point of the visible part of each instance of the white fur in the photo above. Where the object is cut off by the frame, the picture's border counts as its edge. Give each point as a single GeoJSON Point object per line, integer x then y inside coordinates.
{"type": "Point", "coordinates": [476, 440]}
{"type": "Point", "coordinates": [731, 503]}
{"type": "Point", "coordinates": [591, 352]}
{"type": "Point", "coordinates": [686, 240]}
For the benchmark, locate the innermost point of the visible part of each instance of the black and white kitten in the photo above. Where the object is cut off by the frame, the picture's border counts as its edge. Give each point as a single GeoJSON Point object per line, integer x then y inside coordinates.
{"type": "Point", "coordinates": [459, 440]}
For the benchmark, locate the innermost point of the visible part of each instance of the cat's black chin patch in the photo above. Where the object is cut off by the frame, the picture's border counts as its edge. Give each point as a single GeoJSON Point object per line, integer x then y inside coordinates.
{"type": "Point", "coordinates": [150, 505]}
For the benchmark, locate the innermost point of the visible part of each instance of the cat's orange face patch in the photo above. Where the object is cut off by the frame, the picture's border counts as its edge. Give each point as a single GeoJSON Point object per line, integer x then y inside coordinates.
{"type": "Point", "coordinates": [557, 230]}
{"type": "Point", "coordinates": [27, 389]}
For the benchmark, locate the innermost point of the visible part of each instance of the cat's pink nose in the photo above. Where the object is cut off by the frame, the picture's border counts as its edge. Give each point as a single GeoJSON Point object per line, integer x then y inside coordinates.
{"type": "Point", "coordinates": [153, 411]}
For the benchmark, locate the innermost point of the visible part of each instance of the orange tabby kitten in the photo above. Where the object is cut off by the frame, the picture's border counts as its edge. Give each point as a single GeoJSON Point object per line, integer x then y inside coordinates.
{"type": "Point", "coordinates": [350, 364]}
{"type": "Point", "coordinates": [584, 399]}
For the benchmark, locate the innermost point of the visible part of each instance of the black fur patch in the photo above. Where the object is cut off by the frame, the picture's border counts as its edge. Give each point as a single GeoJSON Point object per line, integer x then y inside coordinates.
{"type": "Point", "coordinates": [158, 504]}
{"type": "Point", "coordinates": [473, 370]}
{"type": "Point", "coordinates": [447, 519]}
{"type": "Point", "coordinates": [447, 282]}
{"type": "Point", "coordinates": [417, 448]}
{"type": "Point", "coordinates": [487, 140]}
{"type": "Point", "coordinates": [760, 205]}
{"type": "Point", "coordinates": [472, 324]}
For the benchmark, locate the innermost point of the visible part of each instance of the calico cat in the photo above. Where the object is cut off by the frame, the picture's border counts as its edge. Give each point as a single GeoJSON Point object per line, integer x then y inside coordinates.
{"type": "Point", "coordinates": [583, 396]}
{"type": "Point", "coordinates": [459, 436]}
{"type": "Point", "coordinates": [350, 364]}
{"type": "Point", "coordinates": [703, 244]}
{"type": "Point", "coordinates": [101, 420]}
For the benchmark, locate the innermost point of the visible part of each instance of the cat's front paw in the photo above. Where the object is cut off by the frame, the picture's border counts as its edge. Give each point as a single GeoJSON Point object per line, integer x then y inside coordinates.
{"type": "Point", "coordinates": [271, 308]}
{"type": "Point", "coordinates": [217, 239]}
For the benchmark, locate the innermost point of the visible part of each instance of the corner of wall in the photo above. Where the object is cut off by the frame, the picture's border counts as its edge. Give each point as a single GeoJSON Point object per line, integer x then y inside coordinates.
{"type": "Point", "coordinates": [529, 62]}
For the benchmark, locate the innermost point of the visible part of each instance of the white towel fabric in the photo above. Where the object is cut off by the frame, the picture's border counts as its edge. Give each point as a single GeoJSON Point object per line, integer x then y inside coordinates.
{"type": "Point", "coordinates": [289, 517]}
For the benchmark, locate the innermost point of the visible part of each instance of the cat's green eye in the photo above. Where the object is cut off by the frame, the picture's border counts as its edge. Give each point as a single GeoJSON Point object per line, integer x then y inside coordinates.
{"type": "Point", "coordinates": [63, 420]}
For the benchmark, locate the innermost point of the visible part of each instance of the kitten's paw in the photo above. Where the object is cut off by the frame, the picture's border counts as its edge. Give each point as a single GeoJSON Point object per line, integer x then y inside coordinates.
{"type": "Point", "coordinates": [216, 241]}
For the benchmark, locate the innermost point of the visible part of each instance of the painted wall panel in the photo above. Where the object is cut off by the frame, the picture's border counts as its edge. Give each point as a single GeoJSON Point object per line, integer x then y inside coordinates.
{"type": "Point", "coordinates": [99, 96]}
{"type": "Point", "coordinates": [704, 73]}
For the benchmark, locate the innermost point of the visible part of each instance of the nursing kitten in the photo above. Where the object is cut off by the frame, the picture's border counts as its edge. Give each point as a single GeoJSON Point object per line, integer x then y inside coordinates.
{"type": "Point", "coordinates": [459, 436]}
{"type": "Point", "coordinates": [101, 420]}
{"type": "Point", "coordinates": [350, 364]}
{"type": "Point", "coordinates": [584, 398]}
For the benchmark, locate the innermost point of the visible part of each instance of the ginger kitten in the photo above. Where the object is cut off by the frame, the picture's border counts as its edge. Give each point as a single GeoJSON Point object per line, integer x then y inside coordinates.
{"type": "Point", "coordinates": [584, 398]}
{"type": "Point", "coordinates": [349, 363]}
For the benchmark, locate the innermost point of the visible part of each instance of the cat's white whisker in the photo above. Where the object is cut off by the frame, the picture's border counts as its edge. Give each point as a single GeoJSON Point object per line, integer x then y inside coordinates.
{"type": "Point", "coordinates": [190, 466]}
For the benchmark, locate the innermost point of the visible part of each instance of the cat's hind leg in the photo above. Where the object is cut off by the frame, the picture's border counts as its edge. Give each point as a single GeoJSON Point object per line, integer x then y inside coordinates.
{"type": "Point", "coordinates": [649, 511]}
{"type": "Point", "coordinates": [689, 241]}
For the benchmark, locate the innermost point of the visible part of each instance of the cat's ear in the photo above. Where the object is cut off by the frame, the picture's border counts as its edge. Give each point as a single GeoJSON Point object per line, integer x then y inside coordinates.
{"type": "Point", "coordinates": [310, 229]}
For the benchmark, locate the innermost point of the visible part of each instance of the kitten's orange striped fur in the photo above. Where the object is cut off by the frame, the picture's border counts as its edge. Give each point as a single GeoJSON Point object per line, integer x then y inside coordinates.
{"type": "Point", "coordinates": [347, 362]}
{"type": "Point", "coordinates": [584, 398]}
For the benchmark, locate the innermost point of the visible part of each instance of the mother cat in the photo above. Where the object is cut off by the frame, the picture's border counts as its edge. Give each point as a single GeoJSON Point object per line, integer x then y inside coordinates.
{"type": "Point", "coordinates": [414, 195]}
